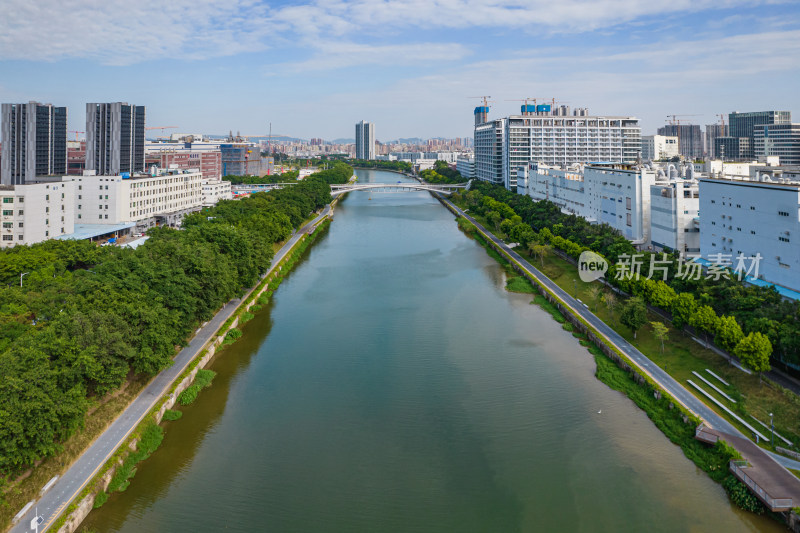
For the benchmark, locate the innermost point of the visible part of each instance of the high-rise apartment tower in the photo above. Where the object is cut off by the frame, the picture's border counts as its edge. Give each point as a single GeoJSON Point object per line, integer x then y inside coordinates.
{"type": "Point", "coordinates": [34, 142]}
{"type": "Point", "coordinates": [114, 138]}
{"type": "Point", "coordinates": [365, 140]}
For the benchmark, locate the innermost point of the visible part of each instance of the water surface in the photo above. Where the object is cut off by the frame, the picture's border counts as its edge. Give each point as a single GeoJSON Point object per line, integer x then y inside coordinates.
{"type": "Point", "coordinates": [393, 385]}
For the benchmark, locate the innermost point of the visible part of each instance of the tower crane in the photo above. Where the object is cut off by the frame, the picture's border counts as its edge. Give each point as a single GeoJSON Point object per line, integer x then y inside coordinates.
{"type": "Point", "coordinates": [76, 133]}
{"type": "Point", "coordinates": [162, 128]}
{"type": "Point", "coordinates": [526, 100]}
{"type": "Point", "coordinates": [486, 100]}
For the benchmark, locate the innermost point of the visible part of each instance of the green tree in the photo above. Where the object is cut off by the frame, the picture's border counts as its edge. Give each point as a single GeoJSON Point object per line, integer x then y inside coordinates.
{"type": "Point", "coordinates": [494, 219]}
{"type": "Point", "coordinates": [754, 351]}
{"type": "Point", "coordinates": [705, 321]}
{"type": "Point", "coordinates": [610, 299]}
{"type": "Point", "coordinates": [634, 314]}
{"type": "Point", "coordinates": [596, 290]}
{"type": "Point", "coordinates": [538, 250]}
{"type": "Point", "coordinates": [729, 333]}
{"type": "Point", "coordinates": [682, 309]}
{"type": "Point", "coordinates": [660, 331]}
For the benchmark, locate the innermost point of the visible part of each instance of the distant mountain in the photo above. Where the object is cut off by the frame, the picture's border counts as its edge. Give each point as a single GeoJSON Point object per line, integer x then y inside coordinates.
{"type": "Point", "coordinates": [275, 138]}
{"type": "Point", "coordinates": [410, 140]}
{"type": "Point", "coordinates": [342, 141]}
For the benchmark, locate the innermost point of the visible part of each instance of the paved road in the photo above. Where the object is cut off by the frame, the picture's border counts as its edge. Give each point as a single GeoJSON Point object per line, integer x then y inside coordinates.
{"type": "Point", "coordinates": [666, 381]}
{"type": "Point", "coordinates": [72, 482]}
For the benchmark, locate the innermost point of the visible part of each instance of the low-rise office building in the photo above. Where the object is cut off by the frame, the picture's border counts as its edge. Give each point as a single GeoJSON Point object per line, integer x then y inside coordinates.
{"type": "Point", "coordinates": [209, 162]}
{"type": "Point", "coordinates": [465, 165]}
{"type": "Point", "coordinates": [35, 212]}
{"type": "Point", "coordinates": [163, 198]}
{"type": "Point", "coordinates": [215, 190]}
{"type": "Point", "coordinates": [659, 147]}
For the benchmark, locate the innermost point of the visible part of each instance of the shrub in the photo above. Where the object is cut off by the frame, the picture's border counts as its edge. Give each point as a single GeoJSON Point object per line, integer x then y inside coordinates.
{"type": "Point", "coordinates": [171, 415]}
{"type": "Point", "coordinates": [100, 499]}
{"type": "Point", "coordinates": [741, 496]}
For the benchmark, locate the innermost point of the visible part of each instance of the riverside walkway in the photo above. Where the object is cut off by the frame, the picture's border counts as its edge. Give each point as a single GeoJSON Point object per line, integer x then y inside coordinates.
{"type": "Point", "coordinates": [775, 486]}
{"type": "Point", "coordinates": [71, 482]}
{"type": "Point", "coordinates": [664, 380]}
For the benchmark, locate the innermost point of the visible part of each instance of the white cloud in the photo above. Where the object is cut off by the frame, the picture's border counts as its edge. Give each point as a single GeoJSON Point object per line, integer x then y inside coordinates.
{"type": "Point", "coordinates": [124, 32]}
{"type": "Point", "coordinates": [705, 76]}
{"type": "Point", "coordinates": [334, 55]}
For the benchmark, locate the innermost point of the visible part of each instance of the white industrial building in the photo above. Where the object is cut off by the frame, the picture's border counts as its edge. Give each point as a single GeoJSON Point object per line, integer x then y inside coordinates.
{"type": "Point", "coordinates": [216, 190]}
{"type": "Point", "coordinates": [659, 147]}
{"type": "Point", "coordinates": [35, 212]}
{"type": "Point", "coordinates": [750, 217]}
{"type": "Point", "coordinates": [144, 199]}
{"type": "Point", "coordinates": [465, 165]}
{"type": "Point", "coordinates": [674, 212]}
{"type": "Point", "coordinates": [614, 194]}
{"type": "Point", "coordinates": [555, 139]}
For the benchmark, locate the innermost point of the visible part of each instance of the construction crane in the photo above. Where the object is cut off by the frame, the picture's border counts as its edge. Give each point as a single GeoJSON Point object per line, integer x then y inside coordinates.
{"type": "Point", "coordinates": [485, 99]}
{"type": "Point", "coordinates": [675, 121]}
{"type": "Point", "coordinates": [526, 100]}
{"type": "Point", "coordinates": [76, 133]}
{"type": "Point", "coordinates": [162, 128]}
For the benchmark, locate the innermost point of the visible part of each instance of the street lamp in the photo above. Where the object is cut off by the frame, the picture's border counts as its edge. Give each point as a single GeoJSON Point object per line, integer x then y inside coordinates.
{"type": "Point", "coordinates": [772, 430]}
{"type": "Point", "coordinates": [20, 277]}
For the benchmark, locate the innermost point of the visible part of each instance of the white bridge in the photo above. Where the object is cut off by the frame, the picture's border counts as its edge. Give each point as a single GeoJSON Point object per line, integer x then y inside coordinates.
{"type": "Point", "coordinates": [397, 187]}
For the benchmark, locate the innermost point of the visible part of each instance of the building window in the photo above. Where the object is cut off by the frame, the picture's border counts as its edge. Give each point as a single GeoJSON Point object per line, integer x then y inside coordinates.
{"type": "Point", "coordinates": [8, 213]}
{"type": "Point", "coordinates": [47, 197]}
{"type": "Point", "coordinates": [8, 200]}
{"type": "Point", "coordinates": [783, 239]}
{"type": "Point", "coordinates": [8, 237]}
{"type": "Point", "coordinates": [106, 216]}
{"type": "Point", "coordinates": [783, 213]}
{"type": "Point", "coordinates": [20, 237]}
{"type": "Point", "coordinates": [46, 233]}
{"type": "Point", "coordinates": [752, 232]}
{"type": "Point", "coordinates": [628, 219]}
{"type": "Point", "coordinates": [79, 215]}
{"type": "Point", "coordinates": [8, 225]}
{"type": "Point", "coordinates": [752, 208]}
{"type": "Point", "coordinates": [100, 217]}
{"type": "Point", "coordinates": [20, 212]}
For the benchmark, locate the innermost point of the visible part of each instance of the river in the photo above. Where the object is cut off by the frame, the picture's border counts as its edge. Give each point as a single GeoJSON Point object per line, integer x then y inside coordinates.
{"type": "Point", "coordinates": [393, 385]}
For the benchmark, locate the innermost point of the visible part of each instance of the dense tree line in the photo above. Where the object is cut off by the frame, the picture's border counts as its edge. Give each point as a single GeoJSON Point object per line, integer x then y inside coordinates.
{"type": "Point", "coordinates": [441, 173]}
{"type": "Point", "coordinates": [291, 175]}
{"type": "Point", "coordinates": [402, 166]}
{"type": "Point", "coordinates": [88, 318]}
{"type": "Point", "coordinates": [723, 309]}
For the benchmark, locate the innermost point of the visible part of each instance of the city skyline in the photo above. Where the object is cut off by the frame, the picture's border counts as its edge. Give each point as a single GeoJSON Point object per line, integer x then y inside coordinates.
{"type": "Point", "coordinates": [313, 69]}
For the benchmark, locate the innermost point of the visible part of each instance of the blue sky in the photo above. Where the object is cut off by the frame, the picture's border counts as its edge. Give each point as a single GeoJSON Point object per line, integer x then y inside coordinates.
{"type": "Point", "coordinates": [315, 68]}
